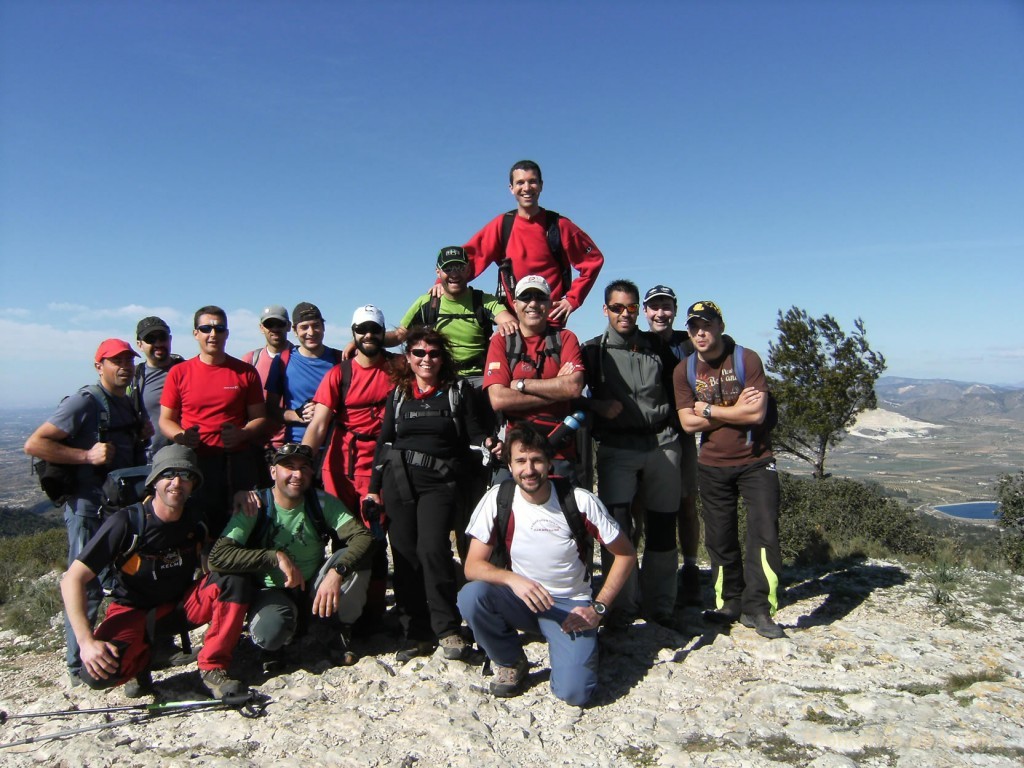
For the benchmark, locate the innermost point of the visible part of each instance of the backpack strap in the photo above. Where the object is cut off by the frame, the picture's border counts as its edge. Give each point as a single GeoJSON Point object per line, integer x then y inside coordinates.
{"type": "Point", "coordinates": [429, 312]}
{"type": "Point", "coordinates": [738, 366]}
{"type": "Point", "coordinates": [135, 391]}
{"type": "Point", "coordinates": [136, 527]}
{"type": "Point", "coordinates": [503, 525]}
{"type": "Point", "coordinates": [315, 512]}
{"type": "Point", "coordinates": [252, 357]}
{"type": "Point", "coordinates": [573, 517]}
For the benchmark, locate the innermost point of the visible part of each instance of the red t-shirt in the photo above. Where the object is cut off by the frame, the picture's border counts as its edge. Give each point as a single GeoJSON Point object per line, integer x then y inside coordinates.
{"type": "Point", "coordinates": [209, 396]}
{"type": "Point", "coordinates": [728, 445]}
{"type": "Point", "coordinates": [497, 371]}
{"type": "Point", "coordinates": [362, 411]}
{"type": "Point", "coordinates": [528, 249]}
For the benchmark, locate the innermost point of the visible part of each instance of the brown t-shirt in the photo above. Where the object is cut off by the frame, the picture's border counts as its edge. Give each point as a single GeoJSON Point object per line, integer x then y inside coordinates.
{"type": "Point", "coordinates": [728, 445]}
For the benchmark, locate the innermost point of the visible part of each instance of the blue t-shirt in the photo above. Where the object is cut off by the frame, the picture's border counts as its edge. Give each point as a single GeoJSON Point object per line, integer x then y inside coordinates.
{"type": "Point", "coordinates": [297, 382]}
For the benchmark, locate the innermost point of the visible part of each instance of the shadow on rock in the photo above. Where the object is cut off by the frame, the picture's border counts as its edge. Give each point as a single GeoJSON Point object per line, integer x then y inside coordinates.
{"type": "Point", "coordinates": [845, 584]}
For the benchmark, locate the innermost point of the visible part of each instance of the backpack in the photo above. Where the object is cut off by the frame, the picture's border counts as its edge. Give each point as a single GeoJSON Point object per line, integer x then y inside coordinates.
{"type": "Point", "coordinates": [60, 481]}
{"type": "Point", "coordinates": [314, 511]}
{"type": "Point", "coordinates": [506, 278]}
{"type": "Point", "coordinates": [139, 381]}
{"type": "Point", "coordinates": [500, 557]}
{"type": "Point", "coordinates": [771, 416]}
{"type": "Point", "coordinates": [454, 401]}
{"type": "Point", "coordinates": [137, 525]}
{"type": "Point", "coordinates": [515, 349]}
{"type": "Point", "coordinates": [430, 314]}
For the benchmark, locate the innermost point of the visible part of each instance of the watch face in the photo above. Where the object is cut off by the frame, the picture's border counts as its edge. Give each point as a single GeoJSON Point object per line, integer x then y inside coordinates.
{"type": "Point", "coordinates": [599, 608]}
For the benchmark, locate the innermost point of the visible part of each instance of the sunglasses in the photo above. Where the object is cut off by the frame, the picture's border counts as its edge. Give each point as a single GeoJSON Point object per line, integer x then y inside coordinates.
{"type": "Point", "coordinates": [527, 296]}
{"type": "Point", "coordinates": [618, 309]}
{"type": "Point", "coordinates": [184, 474]}
{"type": "Point", "coordinates": [433, 354]}
{"type": "Point", "coordinates": [211, 328]}
{"type": "Point", "coordinates": [294, 449]}
{"type": "Point", "coordinates": [364, 328]}
{"type": "Point", "coordinates": [153, 338]}
{"type": "Point", "coordinates": [275, 325]}
{"type": "Point", "coordinates": [454, 268]}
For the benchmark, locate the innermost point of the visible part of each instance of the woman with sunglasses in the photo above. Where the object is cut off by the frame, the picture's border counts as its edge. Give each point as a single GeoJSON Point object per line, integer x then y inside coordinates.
{"type": "Point", "coordinates": [423, 453]}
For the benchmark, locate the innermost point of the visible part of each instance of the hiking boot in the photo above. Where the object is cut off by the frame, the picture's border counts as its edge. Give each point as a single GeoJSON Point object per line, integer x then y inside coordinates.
{"type": "Point", "coordinates": [415, 648]}
{"type": "Point", "coordinates": [688, 586]}
{"type": "Point", "coordinates": [764, 626]}
{"type": "Point", "coordinates": [75, 678]}
{"type": "Point", "coordinates": [727, 614]}
{"type": "Point", "coordinates": [219, 683]}
{"type": "Point", "coordinates": [669, 621]}
{"type": "Point", "coordinates": [165, 654]}
{"type": "Point", "coordinates": [508, 680]}
{"type": "Point", "coordinates": [272, 661]}
{"type": "Point", "coordinates": [343, 652]}
{"type": "Point", "coordinates": [454, 647]}
{"type": "Point", "coordinates": [142, 685]}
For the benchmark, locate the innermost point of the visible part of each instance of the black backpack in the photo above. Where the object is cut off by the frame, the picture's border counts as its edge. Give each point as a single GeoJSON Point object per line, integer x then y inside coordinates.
{"type": "Point", "coordinates": [139, 382]}
{"type": "Point", "coordinates": [506, 278]}
{"type": "Point", "coordinates": [567, 500]}
{"type": "Point", "coordinates": [314, 510]}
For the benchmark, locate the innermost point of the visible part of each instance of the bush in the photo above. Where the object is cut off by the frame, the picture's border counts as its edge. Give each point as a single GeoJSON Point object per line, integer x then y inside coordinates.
{"type": "Point", "coordinates": [29, 601]}
{"type": "Point", "coordinates": [820, 518]}
{"type": "Point", "coordinates": [1011, 520]}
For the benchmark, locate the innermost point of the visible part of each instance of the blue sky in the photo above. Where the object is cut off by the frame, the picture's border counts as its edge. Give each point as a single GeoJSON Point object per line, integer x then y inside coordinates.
{"type": "Point", "coordinates": [859, 158]}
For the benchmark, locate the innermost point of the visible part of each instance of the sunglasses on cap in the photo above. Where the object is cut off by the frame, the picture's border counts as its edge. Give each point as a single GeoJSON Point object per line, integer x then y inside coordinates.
{"type": "Point", "coordinates": [184, 474]}
{"type": "Point", "coordinates": [433, 354]}
{"type": "Point", "coordinates": [293, 449]}
{"type": "Point", "coordinates": [364, 328]}
{"type": "Point", "coordinates": [218, 327]}
{"type": "Point", "coordinates": [153, 338]}
{"type": "Point", "coordinates": [618, 309]}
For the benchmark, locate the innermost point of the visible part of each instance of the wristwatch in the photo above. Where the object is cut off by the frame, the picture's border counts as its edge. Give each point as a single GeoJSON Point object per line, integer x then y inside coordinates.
{"type": "Point", "coordinates": [521, 385]}
{"type": "Point", "coordinates": [599, 608]}
{"type": "Point", "coordinates": [707, 411]}
{"type": "Point", "coordinates": [341, 569]}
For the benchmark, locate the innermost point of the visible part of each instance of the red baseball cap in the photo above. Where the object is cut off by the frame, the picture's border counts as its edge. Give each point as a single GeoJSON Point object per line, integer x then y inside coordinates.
{"type": "Point", "coordinates": [113, 348]}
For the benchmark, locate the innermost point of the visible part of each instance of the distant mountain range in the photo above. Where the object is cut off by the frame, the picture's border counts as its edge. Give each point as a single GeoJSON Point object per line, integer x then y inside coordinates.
{"type": "Point", "coordinates": [943, 400]}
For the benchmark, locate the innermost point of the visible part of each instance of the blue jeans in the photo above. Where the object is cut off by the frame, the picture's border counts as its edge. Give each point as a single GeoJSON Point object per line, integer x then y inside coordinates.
{"type": "Point", "coordinates": [80, 530]}
{"type": "Point", "coordinates": [495, 613]}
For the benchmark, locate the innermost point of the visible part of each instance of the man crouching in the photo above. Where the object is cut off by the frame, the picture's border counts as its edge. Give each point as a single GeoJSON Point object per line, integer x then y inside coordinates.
{"type": "Point", "coordinates": [283, 544]}
{"type": "Point", "coordinates": [154, 548]}
{"type": "Point", "coordinates": [534, 574]}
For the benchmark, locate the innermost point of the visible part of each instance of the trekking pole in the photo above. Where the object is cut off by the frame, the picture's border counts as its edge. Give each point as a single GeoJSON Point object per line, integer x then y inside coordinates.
{"type": "Point", "coordinates": [248, 704]}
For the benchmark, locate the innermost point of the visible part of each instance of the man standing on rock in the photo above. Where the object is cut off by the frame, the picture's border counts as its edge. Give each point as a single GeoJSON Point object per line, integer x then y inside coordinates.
{"type": "Point", "coordinates": [723, 394]}
{"type": "Point", "coordinates": [540, 582]}
{"type": "Point", "coordinates": [660, 307]}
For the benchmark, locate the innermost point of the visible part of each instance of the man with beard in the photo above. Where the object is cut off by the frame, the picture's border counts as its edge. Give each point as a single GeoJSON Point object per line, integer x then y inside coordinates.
{"type": "Point", "coordinates": [464, 316]}
{"type": "Point", "coordinates": [533, 576]}
{"type": "Point", "coordinates": [153, 337]}
{"type": "Point", "coordinates": [214, 404]}
{"type": "Point", "coordinates": [349, 412]}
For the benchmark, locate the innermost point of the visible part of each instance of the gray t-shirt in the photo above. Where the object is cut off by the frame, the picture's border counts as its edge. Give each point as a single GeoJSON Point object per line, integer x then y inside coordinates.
{"type": "Point", "coordinates": [152, 387]}
{"type": "Point", "coordinates": [79, 416]}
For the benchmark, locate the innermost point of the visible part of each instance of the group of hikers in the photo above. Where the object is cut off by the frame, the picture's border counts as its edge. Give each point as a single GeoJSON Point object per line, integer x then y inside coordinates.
{"type": "Point", "coordinates": [272, 484]}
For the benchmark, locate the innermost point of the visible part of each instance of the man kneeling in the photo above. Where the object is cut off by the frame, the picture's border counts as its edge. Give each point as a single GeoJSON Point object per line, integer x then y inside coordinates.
{"type": "Point", "coordinates": [546, 544]}
{"type": "Point", "coordinates": [154, 547]}
{"type": "Point", "coordinates": [283, 546]}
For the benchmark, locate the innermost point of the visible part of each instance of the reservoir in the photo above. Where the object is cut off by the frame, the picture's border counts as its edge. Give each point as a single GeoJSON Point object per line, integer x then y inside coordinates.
{"type": "Point", "coordinates": [973, 510]}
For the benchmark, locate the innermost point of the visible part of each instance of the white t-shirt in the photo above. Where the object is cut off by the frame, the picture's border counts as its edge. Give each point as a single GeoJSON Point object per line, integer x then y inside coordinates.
{"type": "Point", "coordinates": [542, 547]}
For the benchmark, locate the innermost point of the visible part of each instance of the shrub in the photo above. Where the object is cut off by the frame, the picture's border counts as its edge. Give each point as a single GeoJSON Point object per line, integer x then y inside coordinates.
{"type": "Point", "coordinates": [27, 600]}
{"type": "Point", "coordinates": [821, 517]}
{"type": "Point", "coordinates": [1011, 520]}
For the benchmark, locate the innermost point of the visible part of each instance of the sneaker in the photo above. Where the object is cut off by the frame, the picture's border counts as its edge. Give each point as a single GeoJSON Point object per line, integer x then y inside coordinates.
{"type": "Point", "coordinates": [142, 685]}
{"type": "Point", "coordinates": [508, 680]}
{"type": "Point", "coordinates": [727, 614]}
{"type": "Point", "coordinates": [764, 626]}
{"type": "Point", "coordinates": [416, 648]}
{"type": "Point", "coordinates": [688, 586]}
{"type": "Point", "coordinates": [454, 647]}
{"type": "Point", "coordinates": [219, 683]}
{"type": "Point", "coordinates": [343, 652]}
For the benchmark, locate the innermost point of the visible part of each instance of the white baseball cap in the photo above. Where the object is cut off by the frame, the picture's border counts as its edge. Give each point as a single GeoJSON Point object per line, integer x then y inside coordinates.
{"type": "Point", "coordinates": [534, 282]}
{"type": "Point", "coordinates": [368, 314]}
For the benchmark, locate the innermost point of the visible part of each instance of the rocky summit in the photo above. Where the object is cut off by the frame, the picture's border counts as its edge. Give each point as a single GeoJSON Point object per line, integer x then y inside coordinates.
{"type": "Point", "coordinates": [884, 665]}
